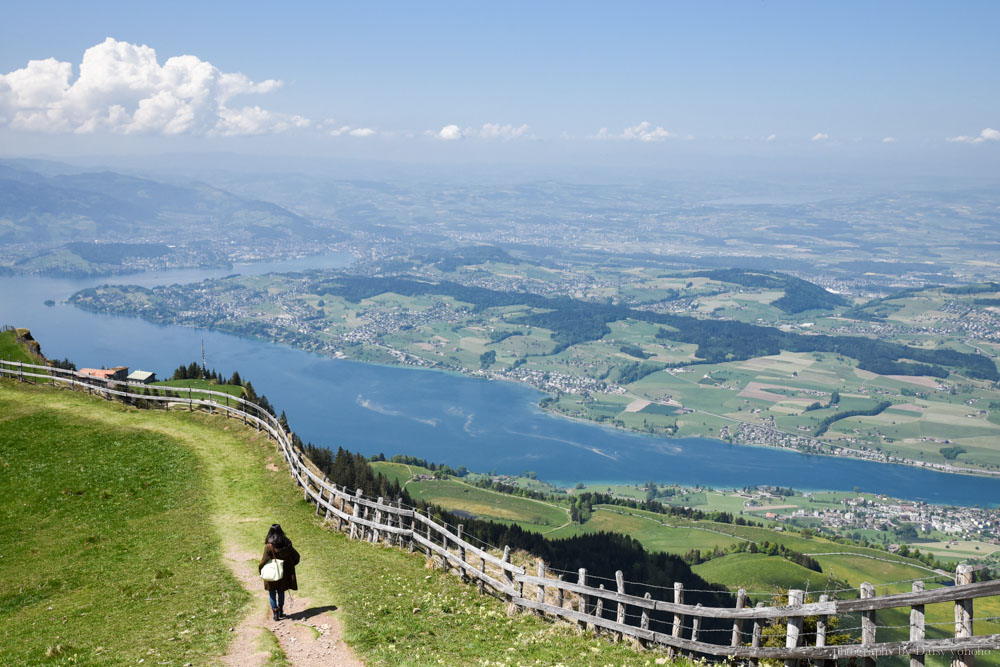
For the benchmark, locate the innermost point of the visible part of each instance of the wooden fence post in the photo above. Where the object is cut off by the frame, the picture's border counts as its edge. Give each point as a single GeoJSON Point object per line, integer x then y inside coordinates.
{"type": "Point", "coordinates": [963, 618]}
{"type": "Point", "coordinates": [366, 532]}
{"type": "Point", "coordinates": [330, 502]}
{"type": "Point", "coordinates": [540, 596]}
{"type": "Point", "coordinates": [376, 533]}
{"type": "Point", "coordinates": [917, 631]}
{"type": "Point", "coordinates": [644, 620]}
{"type": "Point", "coordinates": [868, 624]}
{"type": "Point", "coordinates": [343, 504]}
{"type": "Point", "coordinates": [413, 530]}
{"type": "Point", "coordinates": [356, 512]}
{"type": "Point", "coordinates": [793, 630]}
{"type": "Point", "coordinates": [821, 624]}
{"type": "Point", "coordinates": [581, 578]}
{"type": "Point", "coordinates": [507, 578]}
{"type": "Point", "coordinates": [461, 552]}
{"type": "Point", "coordinates": [480, 584]}
{"type": "Point", "coordinates": [560, 594]}
{"type": "Point", "coordinates": [445, 563]}
{"type": "Point", "coordinates": [741, 599]}
{"type": "Point", "coordinates": [678, 625]}
{"type": "Point", "coordinates": [320, 498]}
{"type": "Point", "coordinates": [599, 610]}
{"type": "Point", "coordinates": [695, 629]}
{"type": "Point", "coordinates": [821, 627]}
{"type": "Point", "coordinates": [399, 522]}
{"type": "Point", "coordinates": [758, 631]}
{"type": "Point", "coordinates": [620, 583]}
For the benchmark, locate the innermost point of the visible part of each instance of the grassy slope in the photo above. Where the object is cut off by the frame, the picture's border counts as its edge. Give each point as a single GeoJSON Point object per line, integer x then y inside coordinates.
{"type": "Point", "coordinates": [760, 573]}
{"type": "Point", "coordinates": [104, 531]}
{"type": "Point", "coordinates": [455, 494]}
{"type": "Point", "coordinates": [212, 488]}
{"type": "Point", "coordinates": [484, 503]}
{"type": "Point", "coordinates": [13, 350]}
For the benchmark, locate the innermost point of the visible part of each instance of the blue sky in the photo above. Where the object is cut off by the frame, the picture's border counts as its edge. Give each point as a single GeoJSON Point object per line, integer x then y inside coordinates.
{"type": "Point", "coordinates": [858, 80]}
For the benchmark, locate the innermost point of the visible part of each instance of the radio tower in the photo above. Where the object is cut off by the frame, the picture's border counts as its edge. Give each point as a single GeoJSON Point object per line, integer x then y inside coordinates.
{"type": "Point", "coordinates": [204, 368]}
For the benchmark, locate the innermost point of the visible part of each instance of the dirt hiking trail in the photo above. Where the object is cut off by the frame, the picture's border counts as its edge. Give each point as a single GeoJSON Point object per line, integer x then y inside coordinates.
{"type": "Point", "coordinates": [309, 636]}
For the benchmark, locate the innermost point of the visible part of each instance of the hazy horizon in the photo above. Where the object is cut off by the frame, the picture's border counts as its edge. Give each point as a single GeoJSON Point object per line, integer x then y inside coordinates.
{"type": "Point", "coordinates": [881, 90]}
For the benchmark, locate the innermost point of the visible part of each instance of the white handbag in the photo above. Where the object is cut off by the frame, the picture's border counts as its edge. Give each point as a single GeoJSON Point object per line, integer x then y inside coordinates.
{"type": "Point", "coordinates": [273, 570]}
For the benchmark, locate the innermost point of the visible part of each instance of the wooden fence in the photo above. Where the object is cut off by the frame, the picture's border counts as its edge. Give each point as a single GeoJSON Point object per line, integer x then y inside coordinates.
{"type": "Point", "coordinates": [605, 610]}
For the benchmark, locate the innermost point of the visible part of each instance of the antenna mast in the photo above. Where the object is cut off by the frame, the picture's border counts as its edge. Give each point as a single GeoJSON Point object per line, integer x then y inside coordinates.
{"type": "Point", "coordinates": [203, 365]}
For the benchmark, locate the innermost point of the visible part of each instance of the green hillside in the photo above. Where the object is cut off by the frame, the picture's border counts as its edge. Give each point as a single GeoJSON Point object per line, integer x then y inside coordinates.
{"type": "Point", "coordinates": [17, 345]}
{"type": "Point", "coordinates": [116, 550]}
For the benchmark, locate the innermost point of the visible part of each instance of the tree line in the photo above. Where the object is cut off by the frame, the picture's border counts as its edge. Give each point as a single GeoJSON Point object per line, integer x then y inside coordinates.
{"type": "Point", "coordinates": [800, 295]}
{"type": "Point", "coordinates": [824, 425]}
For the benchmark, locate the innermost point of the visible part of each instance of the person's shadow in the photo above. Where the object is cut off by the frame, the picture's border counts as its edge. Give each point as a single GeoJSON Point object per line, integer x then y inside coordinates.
{"type": "Point", "coordinates": [309, 613]}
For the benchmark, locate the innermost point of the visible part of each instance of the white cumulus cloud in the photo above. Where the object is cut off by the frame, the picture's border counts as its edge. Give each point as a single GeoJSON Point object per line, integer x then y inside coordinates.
{"type": "Point", "coordinates": [820, 136]}
{"type": "Point", "coordinates": [123, 88]}
{"type": "Point", "coordinates": [644, 131]}
{"type": "Point", "coordinates": [989, 134]}
{"type": "Point", "coordinates": [771, 137]}
{"type": "Point", "coordinates": [450, 133]}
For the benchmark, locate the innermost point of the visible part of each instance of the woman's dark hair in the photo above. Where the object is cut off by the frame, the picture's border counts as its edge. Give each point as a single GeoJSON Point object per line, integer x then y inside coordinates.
{"type": "Point", "coordinates": [276, 537]}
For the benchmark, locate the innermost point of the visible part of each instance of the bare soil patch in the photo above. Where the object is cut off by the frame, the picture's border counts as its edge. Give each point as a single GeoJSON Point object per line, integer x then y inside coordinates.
{"type": "Point", "coordinates": [636, 405]}
{"type": "Point", "coordinates": [758, 390]}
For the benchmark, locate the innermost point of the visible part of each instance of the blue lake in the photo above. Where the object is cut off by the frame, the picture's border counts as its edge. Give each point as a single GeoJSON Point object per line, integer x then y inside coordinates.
{"type": "Point", "coordinates": [442, 417]}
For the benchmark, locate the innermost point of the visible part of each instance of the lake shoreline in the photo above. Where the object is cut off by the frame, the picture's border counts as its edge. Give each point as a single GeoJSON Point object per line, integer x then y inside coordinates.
{"type": "Point", "coordinates": [447, 416]}
{"type": "Point", "coordinates": [468, 373]}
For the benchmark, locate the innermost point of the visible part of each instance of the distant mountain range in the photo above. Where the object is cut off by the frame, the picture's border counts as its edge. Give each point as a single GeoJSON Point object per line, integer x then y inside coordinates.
{"type": "Point", "coordinates": [43, 202]}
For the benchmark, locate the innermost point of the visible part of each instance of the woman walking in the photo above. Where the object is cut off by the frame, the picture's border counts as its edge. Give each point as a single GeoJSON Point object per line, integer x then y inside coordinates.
{"type": "Point", "coordinates": [278, 546]}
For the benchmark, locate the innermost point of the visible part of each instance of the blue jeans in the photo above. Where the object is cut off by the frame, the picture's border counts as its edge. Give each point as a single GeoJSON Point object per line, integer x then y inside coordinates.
{"type": "Point", "coordinates": [277, 599]}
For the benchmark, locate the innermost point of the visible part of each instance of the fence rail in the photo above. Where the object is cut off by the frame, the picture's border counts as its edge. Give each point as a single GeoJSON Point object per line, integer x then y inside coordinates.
{"type": "Point", "coordinates": [384, 521]}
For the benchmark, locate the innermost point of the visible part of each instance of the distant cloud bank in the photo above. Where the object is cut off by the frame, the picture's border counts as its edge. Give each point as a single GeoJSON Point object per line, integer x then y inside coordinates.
{"type": "Point", "coordinates": [336, 130]}
{"type": "Point", "coordinates": [644, 132]}
{"type": "Point", "coordinates": [989, 134]}
{"type": "Point", "coordinates": [489, 131]}
{"type": "Point", "coordinates": [122, 88]}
